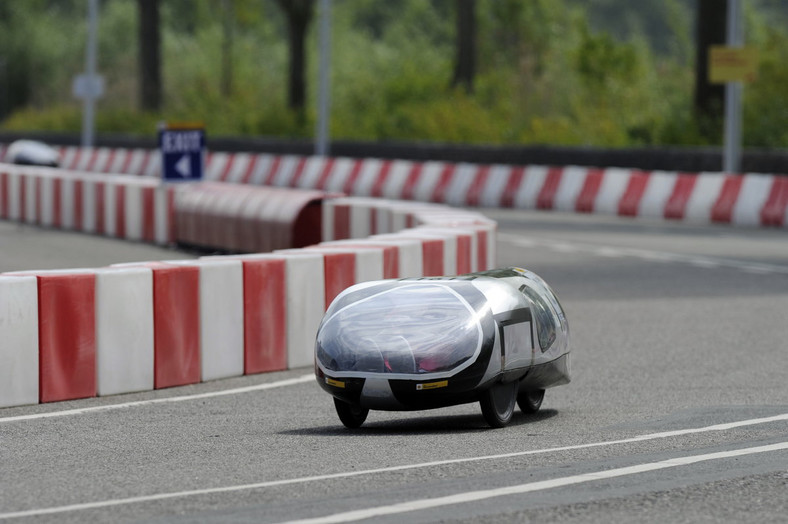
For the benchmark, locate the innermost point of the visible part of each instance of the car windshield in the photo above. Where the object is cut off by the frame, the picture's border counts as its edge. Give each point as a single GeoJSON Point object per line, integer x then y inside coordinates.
{"type": "Point", "coordinates": [413, 329]}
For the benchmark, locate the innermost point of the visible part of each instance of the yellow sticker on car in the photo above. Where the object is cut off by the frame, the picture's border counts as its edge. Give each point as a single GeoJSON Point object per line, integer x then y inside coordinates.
{"type": "Point", "coordinates": [432, 385]}
{"type": "Point", "coordinates": [336, 383]}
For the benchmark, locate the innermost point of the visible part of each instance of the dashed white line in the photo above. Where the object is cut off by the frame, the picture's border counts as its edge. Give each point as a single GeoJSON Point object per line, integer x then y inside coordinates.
{"type": "Point", "coordinates": [182, 398]}
{"type": "Point", "coordinates": [343, 475]}
{"type": "Point", "coordinates": [473, 496]}
{"type": "Point", "coordinates": [645, 254]}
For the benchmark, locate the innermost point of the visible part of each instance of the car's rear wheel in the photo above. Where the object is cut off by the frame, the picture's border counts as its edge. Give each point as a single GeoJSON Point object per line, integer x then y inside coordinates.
{"type": "Point", "coordinates": [351, 415]}
{"type": "Point", "coordinates": [530, 401]}
{"type": "Point", "coordinates": [498, 404]}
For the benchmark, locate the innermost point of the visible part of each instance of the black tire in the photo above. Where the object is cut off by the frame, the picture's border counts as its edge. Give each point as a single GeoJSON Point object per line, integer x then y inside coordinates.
{"type": "Point", "coordinates": [530, 401]}
{"type": "Point", "coordinates": [498, 404]}
{"type": "Point", "coordinates": [352, 416]}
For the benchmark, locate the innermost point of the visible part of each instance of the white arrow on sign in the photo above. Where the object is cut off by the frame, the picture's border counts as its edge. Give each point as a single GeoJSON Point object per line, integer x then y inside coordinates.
{"type": "Point", "coordinates": [184, 166]}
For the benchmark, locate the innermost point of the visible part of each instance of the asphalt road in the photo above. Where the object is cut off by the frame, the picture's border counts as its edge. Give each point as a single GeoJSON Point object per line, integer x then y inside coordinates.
{"type": "Point", "coordinates": [677, 412]}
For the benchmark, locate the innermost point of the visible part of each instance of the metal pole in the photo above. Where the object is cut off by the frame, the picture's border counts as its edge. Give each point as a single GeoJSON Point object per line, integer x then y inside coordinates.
{"type": "Point", "coordinates": [731, 159]}
{"type": "Point", "coordinates": [90, 73]}
{"type": "Point", "coordinates": [324, 86]}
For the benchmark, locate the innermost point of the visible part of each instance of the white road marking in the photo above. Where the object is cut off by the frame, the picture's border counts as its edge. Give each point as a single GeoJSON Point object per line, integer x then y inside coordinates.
{"type": "Point", "coordinates": [344, 475]}
{"type": "Point", "coordinates": [183, 398]}
{"type": "Point", "coordinates": [472, 496]}
{"type": "Point", "coordinates": [645, 254]}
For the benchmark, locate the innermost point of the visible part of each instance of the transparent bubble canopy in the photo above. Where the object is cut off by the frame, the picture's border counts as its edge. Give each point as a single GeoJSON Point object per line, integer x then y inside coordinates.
{"type": "Point", "coordinates": [412, 329]}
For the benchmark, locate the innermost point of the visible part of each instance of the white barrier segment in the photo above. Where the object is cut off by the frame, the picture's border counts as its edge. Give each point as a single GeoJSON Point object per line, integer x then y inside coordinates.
{"type": "Point", "coordinates": [118, 159]}
{"type": "Point", "coordinates": [133, 212]}
{"type": "Point", "coordinates": [753, 195]}
{"type": "Point", "coordinates": [492, 193]}
{"type": "Point", "coordinates": [88, 204]}
{"type": "Point", "coordinates": [287, 168]}
{"type": "Point", "coordinates": [15, 181]}
{"type": "Point", "coordinates": [327, 221]}
{"type": "Point", "coordinates": [411, 263]}
{"type": "Point", "coordinates": [109, 207]}
{"type": "Point", "coordinates": [67, 157]}
{"type": "Point", "coordinates": [47, 199]}
{"type": "Point", "coordinates": [398, 175]}
{"type": "Point", "coordinates": [305, 307]}
{"type": "Point", "coordinates": [367, 176]}
{"type": "Point", "coordinates": [161, 215]}
{"type": "Point", "coordinates": [311, 173]}
{"type": "Point", "coordinates": [102, 161]}
{"type": "Point", "coordinates": [240, 165]}
{"type": "Point", "coordinates": [85, 155]}
{"type": "Point", "coordinates": [138, 157]}
{"type": "Point", "coordinates": [339, 174]}
{"type": "Point", "coordinates": [18, 341]}
{"type": "Point", "coordinates": [29, 180]}
{"type": "Point", "coordinates": [221, 316]}
{"type": "Point", "coordinates": [430, 176]}
{"type": "Point", "coordinates": [457, 192]}
{"type": "Point", "coordinates": [704, 195]}
{"type": "Point", "coordinates": [261, 169]}
{"type": "Point", "coordinates": [530, 186]}
{"type": "Point", "coordinates": [614, 183]}
{"type": "Point", "coordinates": [572, 180]}
{"type": "Point", "coordinates": [153, 166]}
{"type": "Point", "coordinates": [67, 196]}
{"type": "Point", "coordinates": [215, 168]}
{"type": "Point", "coordinates": [658, 190]}
{"type": "Point", "coordinates": [124, 330]}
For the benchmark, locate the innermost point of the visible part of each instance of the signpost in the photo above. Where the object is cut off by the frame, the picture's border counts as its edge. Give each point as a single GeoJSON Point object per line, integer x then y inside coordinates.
{"type": "Point", "coordinates": [182, 150]}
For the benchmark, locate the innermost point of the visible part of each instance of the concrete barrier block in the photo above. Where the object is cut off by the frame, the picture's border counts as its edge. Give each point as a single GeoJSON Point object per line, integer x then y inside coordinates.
{"type": "Point", "coordinates": [221, 316]}
{"type": "Point", "coordinates": [18, 341]}
{"type": "Point", "coordinates": [124, 330]}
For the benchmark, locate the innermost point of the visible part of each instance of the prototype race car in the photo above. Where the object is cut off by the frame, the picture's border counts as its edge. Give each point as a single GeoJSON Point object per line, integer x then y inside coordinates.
{"type": "Point", "coordinates": [497, 337]}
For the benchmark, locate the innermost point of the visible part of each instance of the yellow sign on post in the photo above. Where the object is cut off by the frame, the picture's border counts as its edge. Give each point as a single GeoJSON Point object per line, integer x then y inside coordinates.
{"type": "Point", "coordinates": [732, 64]}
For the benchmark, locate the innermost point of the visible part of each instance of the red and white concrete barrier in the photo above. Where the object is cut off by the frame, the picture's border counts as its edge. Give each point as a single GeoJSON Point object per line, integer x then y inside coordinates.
{"type": "Point", "coordinates": [19, 341]}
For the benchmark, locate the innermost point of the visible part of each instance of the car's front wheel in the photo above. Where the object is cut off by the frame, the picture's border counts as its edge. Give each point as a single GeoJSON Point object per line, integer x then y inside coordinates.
{"type": "Point", "coordinates": [351, 415]}
{"type": "Point", "coordinates": [498, 404]}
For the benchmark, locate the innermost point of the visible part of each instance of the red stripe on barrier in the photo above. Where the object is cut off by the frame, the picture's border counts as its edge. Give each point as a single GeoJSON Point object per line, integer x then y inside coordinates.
{"type": "Point", "coordinates": [463, 254]}
{"type": "Point", "coordinates": [682, 191]}
{"type": "Point", "coordinates": [340, 273]}
{"type": "Point", "coordinates": [380, 181]}
{"type": "Point", "coordinates": [512, 186]}
{"type": "Point", "coordinates": [4, 195]}
{"type": "Point", "coordinates": [22, 199]}
{"type": "Point", "coordinates": [78, 199]}
{"type": "Point", "coordinates": [439, 193]}
{"type": "Point", "coordinates": [546, 197]}
{"type": "Point", "coordinates": [56, 198]}
{"type": "Point", "coordinates": [299, 171]}
{"type": "Point", "coordinates": [148, 214]}
{"type": "Point", "coordinates": [410, 182]}
{"type": "Point", "coordinates": [124, 168]}
{"type": "Point", "coordinates": [145, 161]}
{"type": "Point", "coordinates": [272, 171]}
{"type": "Point", "coordinates": [66, 337]}
{"type": "Point", "coordinates": [351, 179]}
{"type": "Point", "coordinates": [171, 225]}
{"type": "Point", "coordinates": [341, 221]}
{"type": "Point", "coordinates": [250, 169]}
{"type": "Point", "coordinates": [92, 160]}
{"type": "Point", "coordinates": [589, 191]}
{"type": "Point", "coordinates": [633, 194]}
{"type": "Point", "coordinates": [38, 212]}
{"type": "Point", "coordinates": [75, 159]}
{"type": "Point", "coordinates": [722, 210]}
{"type": "Point", "coordinates": [482, 256]}
{"type": "Point", "coordinates": [176, 325]}
{"type": "Point", "coordinates": [477, 186]}
{"type": "Point", "coordinates": [432, 257]}
{"type": "Point", "coordinates": [120, 211]}
{"type": "Point", "coordinates": [773, 212]}
{"type": "Point", "coordinates": [325, 173]}
{"type": "Point", "coordinates": [227, 167]}
{"type": "Point", "coordinates": [110, 159]}
{"type": "Point", "coordinates": [99, 196]}
{"type": "Point", "coordinates": [265, 315]}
